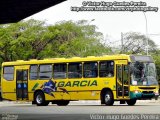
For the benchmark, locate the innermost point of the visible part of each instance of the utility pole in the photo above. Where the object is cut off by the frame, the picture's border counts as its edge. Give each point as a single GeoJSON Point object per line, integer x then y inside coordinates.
{"type": "Point", "coordinates": [122, 43]}
{"type": "Point", "coordinates": [146, 32]}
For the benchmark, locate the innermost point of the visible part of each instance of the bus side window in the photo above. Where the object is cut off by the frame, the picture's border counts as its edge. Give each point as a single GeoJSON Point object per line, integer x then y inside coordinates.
{"type": "Point", "coordinates": [59, 70]}
{"type": "Point", "coordinates": [106, 69]}
{"type": "Point", "coordinates": [90, 69]}
{"type": "Point", "coordinates": [33, 72]}
{"type": "Point", "coordinates": [45, 72]}
{"type": "Point", "coordinates": [8, 73]}
{"type": "Point", "coordinates": [74, 70]}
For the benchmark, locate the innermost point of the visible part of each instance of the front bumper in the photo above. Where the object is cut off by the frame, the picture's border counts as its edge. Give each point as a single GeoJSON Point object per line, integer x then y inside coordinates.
{"type": "Point", "coordinates": [143, 96]}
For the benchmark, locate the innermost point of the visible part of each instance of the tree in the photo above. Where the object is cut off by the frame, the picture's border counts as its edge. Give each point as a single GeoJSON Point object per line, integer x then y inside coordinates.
{"type": "Point", "coordinates": [23, 40]}
{"type": "Point", "coordinates": [135, 43]}
{"type": "Point", "coordinates": [75, 39]}
{"type": "Point", "coordinates": [34, 39]}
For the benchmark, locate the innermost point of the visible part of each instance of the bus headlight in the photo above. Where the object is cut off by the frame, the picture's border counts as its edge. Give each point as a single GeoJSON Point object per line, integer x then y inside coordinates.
{"type": "Point", "coordinates": [136, 91]}
{"type": "Point", "coordinates": [156, 92]}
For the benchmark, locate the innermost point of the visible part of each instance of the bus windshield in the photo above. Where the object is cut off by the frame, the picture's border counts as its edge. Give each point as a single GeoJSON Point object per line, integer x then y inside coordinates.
{"type": "Point", "coordinates": [143, 73]}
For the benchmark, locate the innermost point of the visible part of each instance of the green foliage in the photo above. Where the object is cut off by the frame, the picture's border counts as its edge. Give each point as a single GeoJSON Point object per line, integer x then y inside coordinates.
{"type": "Point", "coordinates": [20, 40]}
{"type": "Point", "coordinates": [34, 39]}
{"type": "Point", "coordinates": [75, 39]}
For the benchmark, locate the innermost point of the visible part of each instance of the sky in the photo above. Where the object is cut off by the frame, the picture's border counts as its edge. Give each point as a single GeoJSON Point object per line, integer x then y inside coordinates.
{"type": "Point", "coordinates": [110, 23]}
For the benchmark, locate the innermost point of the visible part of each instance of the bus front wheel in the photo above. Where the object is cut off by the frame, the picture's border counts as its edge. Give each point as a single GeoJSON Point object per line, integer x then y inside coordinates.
{"type": "Point", "coordinates": [131, 102]}
{"type": "Point", "coordinates": [40, 99]}
{"type": "Point", "coordinates": [108, 98]}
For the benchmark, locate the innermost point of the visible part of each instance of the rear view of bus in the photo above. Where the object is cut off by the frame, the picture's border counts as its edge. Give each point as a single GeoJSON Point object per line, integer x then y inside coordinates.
{"type": "Point", "coordinates": [143, 77]}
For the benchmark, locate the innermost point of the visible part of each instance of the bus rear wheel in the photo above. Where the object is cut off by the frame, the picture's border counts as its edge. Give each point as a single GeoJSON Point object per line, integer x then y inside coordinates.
{"type": "Point", "coordinates": [62, 102]}
{"type": "Point", "coordinates": [40, 99]}
{"type": "Point", "coordinates": [108, 98]}
{"type": "Point", "coordinates": [131, 102]}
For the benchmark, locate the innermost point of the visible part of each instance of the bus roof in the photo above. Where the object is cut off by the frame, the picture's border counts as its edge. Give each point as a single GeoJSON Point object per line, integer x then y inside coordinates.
{"type": "Point", "coordinates": [130, 58]}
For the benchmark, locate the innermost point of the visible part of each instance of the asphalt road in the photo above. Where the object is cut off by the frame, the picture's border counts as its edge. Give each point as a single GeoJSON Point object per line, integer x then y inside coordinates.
{"type": "Point", "coordinates": [79, 109]}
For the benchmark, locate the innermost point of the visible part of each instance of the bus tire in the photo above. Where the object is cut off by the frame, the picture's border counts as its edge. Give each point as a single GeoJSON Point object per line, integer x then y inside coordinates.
{"type": "Point", "coordinates": [62, 102]}
{"type": "Point", "coordinates": [156, 98]}
{"type": "Point", "coordinates": [40, 99]}
{"type": "Point", "coordinates": [0, 97]}
{"type": "Point", "coordinates": [131, 102]}
{"type": "Point", "coordinates": [108, 98]}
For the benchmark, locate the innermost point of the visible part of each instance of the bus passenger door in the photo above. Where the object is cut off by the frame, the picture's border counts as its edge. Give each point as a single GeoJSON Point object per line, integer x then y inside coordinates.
{"type": "Point", "coordinates": [122, 79]}
{"type": "Point", "coordinates": [22, 84]}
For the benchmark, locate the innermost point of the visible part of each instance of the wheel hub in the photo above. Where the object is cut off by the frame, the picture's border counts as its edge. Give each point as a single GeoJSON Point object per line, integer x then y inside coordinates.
{"type": "Point", "coordinates": [107, 97]}
{"type": "Point", "coordinates": [39, 99]}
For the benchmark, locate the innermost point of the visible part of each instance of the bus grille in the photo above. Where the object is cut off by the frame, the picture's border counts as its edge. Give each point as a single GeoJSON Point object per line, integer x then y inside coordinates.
{"type": "Point", "coordinates": [147, 92]}
{"type": "Point", "coordinates": [144, 88]}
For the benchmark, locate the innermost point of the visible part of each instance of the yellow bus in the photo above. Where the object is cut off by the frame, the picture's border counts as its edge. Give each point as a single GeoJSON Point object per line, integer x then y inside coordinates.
{"type": "Point", "coordinates": [109, 78]}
